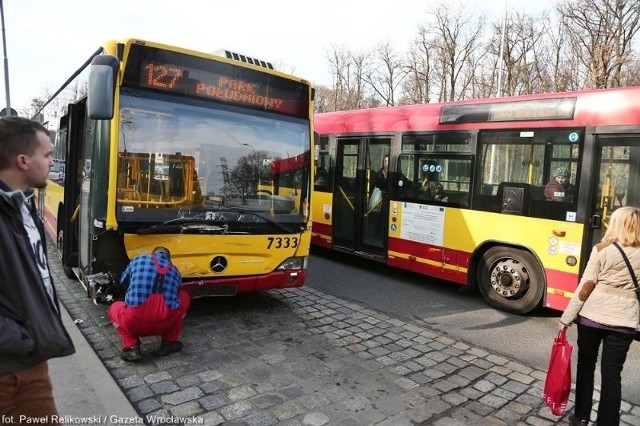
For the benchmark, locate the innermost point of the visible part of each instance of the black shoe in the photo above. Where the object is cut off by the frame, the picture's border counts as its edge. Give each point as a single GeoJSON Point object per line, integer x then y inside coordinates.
{"type": "Point", "coordinates": [132, 354]}
{"type": "Point", "coordinates": [574, 421]}
{"type": "Point", "coordinates": [167, 348]}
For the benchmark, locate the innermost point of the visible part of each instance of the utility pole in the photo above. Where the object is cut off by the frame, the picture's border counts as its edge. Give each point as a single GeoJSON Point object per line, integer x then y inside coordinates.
{"type": "Point", "coordinates": [7, 111]}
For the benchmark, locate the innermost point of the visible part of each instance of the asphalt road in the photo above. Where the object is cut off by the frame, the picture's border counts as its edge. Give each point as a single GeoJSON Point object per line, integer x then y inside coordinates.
{"type": "Point", "coordinates": [452, 310]}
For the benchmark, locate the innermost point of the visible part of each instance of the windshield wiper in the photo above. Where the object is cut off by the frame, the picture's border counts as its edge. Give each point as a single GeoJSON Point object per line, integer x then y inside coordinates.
{"type": "Point", "coordinates": [267, 219]}
{"type": "Point", "coordinates": [180, 224]}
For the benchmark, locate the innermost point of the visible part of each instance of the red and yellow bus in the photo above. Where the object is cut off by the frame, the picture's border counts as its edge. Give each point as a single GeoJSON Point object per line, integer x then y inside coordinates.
{"type": "Point", "coordinates": [167, 146]}
{"type": "Point", "coordinates": [493, 227]}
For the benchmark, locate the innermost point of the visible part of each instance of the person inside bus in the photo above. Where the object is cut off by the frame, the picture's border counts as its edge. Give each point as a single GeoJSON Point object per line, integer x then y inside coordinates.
{"type": "Point", "coordinates": [380, 185]}
{"type": "Point", "coordinates": [382, 178]}
{"type": "Point", "coordinates": [559, 188]}
{"type": "Point", "coordinates": [153, 304]}
{"type": "Point", "coordinates": [434, 191]}
{"type": "Point", "coordinates": [321, 176]}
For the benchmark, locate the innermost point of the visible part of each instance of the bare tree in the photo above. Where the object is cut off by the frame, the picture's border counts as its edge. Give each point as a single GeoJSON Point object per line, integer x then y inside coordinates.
{"type": "Point", "coordinates": [524, 72]}
{"type": "Point", "coordinates": [385, 73]}
{"type": "Point", "coordinates": [561, 72]}
{"type": "Point", "coordinates": [602, 31]}
{"type": "Point", "coordinates": [456, 35]}
{"type": "Point", "coordinates": [631, 73]}
{"type": "Point", "coordinates": [587, 43]}
{"type": "Point", "coordinates": [36, 105]}
{"type": "Point", "coordinates": [322, 102]}
{"type": "Point", "coordinates": [349, 87]}
{"type": "Point", "coordinates": [420, 74]}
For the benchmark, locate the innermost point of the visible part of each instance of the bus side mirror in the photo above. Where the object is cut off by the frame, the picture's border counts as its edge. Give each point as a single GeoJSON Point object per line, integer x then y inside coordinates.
{"type": "Point", "coordinates": [102, 83]}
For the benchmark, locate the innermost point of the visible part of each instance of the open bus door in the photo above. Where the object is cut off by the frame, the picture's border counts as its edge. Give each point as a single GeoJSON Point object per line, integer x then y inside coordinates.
{"type": "Point", "coordinates": [72, 127]}
{"type": "Point", "coordinates": [617, 181]}
{"type": "Point", "coordinates": [360, 222]}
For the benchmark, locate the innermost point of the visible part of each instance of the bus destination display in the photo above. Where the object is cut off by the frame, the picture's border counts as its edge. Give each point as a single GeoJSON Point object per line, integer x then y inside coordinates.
{"type": "Point", "coordinates": [539, 109]}
{"type": "Point", "coordinates": [209, 79]}
{"type": "Point", "coordinates": [171, 77]}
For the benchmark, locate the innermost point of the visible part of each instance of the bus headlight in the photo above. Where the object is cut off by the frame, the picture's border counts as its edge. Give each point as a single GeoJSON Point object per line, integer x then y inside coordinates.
{"type": "Point", "coordinates": [293, 263]}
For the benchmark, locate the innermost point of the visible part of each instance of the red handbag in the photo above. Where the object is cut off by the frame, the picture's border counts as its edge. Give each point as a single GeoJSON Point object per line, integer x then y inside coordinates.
{"type": "Point", "coordinates": [557, 385]}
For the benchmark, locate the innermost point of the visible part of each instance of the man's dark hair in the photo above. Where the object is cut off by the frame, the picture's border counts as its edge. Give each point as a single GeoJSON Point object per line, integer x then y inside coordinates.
{"type": "Point", "coordinates": [18, 136]}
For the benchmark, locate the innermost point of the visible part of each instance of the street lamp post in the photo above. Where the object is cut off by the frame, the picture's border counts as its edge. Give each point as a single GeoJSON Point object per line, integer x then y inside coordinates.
{"type": "Point", "coordinates": [6, 63]}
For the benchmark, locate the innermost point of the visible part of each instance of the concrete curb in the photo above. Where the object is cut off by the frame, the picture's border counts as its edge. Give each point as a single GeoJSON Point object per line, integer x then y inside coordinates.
{"type": "Point", "coordinates": [82, 385]}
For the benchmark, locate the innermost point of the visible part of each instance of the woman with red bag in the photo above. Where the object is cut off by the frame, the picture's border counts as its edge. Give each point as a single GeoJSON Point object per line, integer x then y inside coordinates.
{"type": "Point", "coordinates": [606, 308]}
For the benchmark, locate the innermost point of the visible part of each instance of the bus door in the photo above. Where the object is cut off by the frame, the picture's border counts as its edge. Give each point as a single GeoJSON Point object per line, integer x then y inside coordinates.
{"type": "Point", "coordinates": [617, 181]}
{"type": "Point", "coordinates": [72, 129]}
{"type": "Point", "coordinates": [360, 209]}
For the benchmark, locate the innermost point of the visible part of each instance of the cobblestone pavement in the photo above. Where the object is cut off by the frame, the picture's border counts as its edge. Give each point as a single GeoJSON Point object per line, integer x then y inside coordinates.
{"type": "Point", "coordinates": [302, 357]}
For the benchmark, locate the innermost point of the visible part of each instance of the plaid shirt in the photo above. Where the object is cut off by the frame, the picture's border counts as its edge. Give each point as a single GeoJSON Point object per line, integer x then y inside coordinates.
{"type": "Point", "coordinates": [140, 276]}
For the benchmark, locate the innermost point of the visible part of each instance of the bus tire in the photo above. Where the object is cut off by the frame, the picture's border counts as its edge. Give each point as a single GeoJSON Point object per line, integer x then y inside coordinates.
{"type": "Point", "coordinates": [511, 280]}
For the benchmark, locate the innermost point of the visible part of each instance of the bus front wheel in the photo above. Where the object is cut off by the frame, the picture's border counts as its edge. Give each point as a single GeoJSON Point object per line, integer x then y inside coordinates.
{"type": "Point", "coordinates": [510, 280]}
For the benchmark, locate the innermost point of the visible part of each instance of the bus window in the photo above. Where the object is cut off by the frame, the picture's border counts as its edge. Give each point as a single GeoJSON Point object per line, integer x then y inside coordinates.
{"type": "Point", "coordinates": [322, 164]}
{"type": "Point", "coordinates": [437, 178]}
{"type": "Point", "coordinates": [527, 159]}
{"type": "Point", "coordinates": [437, 142]}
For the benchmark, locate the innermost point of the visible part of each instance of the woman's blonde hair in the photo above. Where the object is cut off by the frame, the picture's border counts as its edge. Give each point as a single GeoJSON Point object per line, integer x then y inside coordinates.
{"type": "Point", "coordinates": [624, 227]}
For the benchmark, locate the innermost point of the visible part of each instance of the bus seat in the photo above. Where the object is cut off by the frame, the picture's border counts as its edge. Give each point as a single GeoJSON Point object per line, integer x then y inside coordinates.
{"type": "Point", "coordinates": [487, 189]}
{"type": "Point", "coordinates": [537, 192]}
{"type": "Point", "coordinates": [514, 197]}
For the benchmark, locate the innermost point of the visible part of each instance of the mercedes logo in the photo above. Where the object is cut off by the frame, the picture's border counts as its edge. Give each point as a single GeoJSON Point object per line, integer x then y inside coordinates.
{"type": "Point", "coordinates": [218, 264]}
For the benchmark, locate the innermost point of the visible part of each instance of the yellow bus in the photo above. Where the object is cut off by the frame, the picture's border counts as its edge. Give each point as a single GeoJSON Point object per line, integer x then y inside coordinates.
{"type": "Point", "coordinates": [472, 195]}
{"type": "Point", "coordinates": [162, 145]}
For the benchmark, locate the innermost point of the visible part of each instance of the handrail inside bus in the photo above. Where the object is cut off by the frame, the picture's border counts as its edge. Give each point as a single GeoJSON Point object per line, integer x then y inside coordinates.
{"type": "Point", "coordinates": [346, 197]}
{"type": "Point", "coordinates": [140, 168]}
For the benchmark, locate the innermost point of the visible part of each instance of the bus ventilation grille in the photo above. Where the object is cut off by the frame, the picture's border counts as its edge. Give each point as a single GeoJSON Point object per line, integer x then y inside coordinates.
{"type": "Point", "coordinates": [243, 58]}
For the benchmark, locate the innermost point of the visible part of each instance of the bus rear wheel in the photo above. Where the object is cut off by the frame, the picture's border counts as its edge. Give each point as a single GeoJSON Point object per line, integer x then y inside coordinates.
{"type": "Point", "coordinates": [510, 280]}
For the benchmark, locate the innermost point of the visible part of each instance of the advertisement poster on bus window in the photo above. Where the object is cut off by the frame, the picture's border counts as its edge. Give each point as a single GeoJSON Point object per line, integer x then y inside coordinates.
{"type": "Point", "coordinates": [422, 223]}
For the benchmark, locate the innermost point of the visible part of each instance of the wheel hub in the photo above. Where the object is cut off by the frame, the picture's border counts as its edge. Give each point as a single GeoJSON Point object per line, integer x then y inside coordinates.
{"type": "Point", "coordinates": [509, 278]}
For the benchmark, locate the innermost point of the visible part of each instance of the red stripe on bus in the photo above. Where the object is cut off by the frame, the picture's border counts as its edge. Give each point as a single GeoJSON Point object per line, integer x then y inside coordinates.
{"type": "Point", "coordinates": [204, 287]}
{"type": "Point", "coordinates": [560, 288]}
{"type": "Point", "coordinates": [561, 281]}
{"type": "Point", "coordinates": [556, 301]}
{"type": "Point", "coordinates": [433, 271]}
{"type": "Point", "coordinates": [454, 258]}
{"type": "Point", "coordinates": [321, 235]}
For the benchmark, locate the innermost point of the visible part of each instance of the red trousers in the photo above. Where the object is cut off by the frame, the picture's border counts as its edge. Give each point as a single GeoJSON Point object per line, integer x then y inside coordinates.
{"type": "Point", "coordinates": [149, 319]}
{"type": "Point", "coordinates": [27, 393]}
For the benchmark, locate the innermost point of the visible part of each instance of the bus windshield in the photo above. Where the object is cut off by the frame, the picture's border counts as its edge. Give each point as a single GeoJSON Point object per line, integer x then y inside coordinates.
{"type": "Point", "coordinates": [202, 160]}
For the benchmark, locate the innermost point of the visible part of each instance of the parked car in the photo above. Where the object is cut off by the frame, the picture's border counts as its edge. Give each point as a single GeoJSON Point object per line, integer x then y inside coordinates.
{"type": "Point", "coordinates": [56, 172]}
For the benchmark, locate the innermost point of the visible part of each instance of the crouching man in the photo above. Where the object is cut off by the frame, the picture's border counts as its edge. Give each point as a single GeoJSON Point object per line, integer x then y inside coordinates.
{"type": "Point", "coordinates": [153, 304]}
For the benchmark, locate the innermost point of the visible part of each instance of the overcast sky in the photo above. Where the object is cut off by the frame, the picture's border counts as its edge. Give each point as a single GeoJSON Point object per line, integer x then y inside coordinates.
{"type": "Point", "coordinates": [46, 40]}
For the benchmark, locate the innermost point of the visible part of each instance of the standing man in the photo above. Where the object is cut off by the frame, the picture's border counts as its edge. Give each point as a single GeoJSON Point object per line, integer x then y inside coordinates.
{"type": "Point", "coordinates": [153, 304]}
{"type": "Point", "coordinates": [31, 329]}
